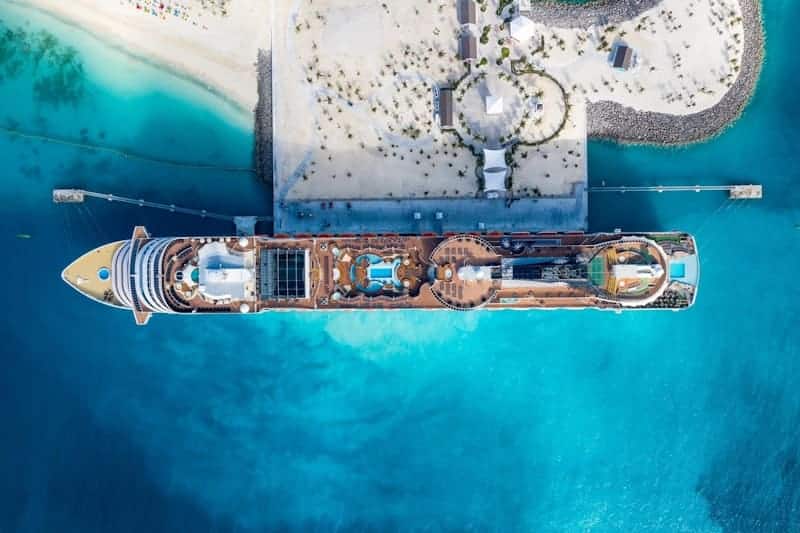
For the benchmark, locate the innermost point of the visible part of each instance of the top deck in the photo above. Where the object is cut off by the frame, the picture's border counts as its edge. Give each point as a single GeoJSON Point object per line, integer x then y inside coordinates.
{"type": "Point", "coordinates": [461, 272]}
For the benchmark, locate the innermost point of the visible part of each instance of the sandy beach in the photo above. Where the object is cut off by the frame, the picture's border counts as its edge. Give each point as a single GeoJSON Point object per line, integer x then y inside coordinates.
{"type": "Point", "coordinates": [215, 43]}
{"type": "Point", "coordinates": [354, 102]}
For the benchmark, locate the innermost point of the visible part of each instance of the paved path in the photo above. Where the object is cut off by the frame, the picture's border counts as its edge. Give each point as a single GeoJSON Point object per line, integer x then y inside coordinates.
{"type": "Point", "coordinates": [468, 214]}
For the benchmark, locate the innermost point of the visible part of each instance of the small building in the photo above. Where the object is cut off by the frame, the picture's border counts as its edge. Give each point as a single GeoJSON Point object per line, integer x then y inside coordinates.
{"type": "Point", "coordinates": [522, 28]}
{"type": "Point", "coordinates": [445, 107]}
{"type": "Point", "coordinates": [466, 12]}
{"type": "Point", "coordinates": [467, 47]}
{"type": "Point", "coordinates": [623, 57]}
{"type": "Point", "coordinates": [523, 6]}
{"type": "Point", "coordinates": [536, 105]}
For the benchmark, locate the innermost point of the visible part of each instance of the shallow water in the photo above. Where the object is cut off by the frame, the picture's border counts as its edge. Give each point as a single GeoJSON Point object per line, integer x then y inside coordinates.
{"type": "Point", "coordinates": [504, 421]}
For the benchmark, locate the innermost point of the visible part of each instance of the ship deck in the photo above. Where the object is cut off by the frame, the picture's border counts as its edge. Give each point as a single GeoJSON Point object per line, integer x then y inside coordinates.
{"type": "Point", "coordinates": [90, 274]}
{"type": "Point", "coordinates": [236, 275]}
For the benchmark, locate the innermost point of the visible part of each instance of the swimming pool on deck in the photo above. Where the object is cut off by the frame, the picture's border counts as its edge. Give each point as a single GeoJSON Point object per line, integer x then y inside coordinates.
{"type": "Point", "coordinates": [380, 273]}
{"type": "Point", "coordinates": [685, 269]}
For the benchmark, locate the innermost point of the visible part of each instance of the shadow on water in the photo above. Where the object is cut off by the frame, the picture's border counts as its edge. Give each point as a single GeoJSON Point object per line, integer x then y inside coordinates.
{"type": "Point", "coordinates": [76, 475]}
{"type": "Point", "coordinates": [609, 165]}
{"type": "Point", "coordinates": [753, 482]}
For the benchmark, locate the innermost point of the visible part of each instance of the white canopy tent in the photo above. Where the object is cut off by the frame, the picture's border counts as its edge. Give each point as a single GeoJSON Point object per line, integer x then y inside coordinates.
{"type": "Point", "coordinates": [495, 180]}
{"type": "Point", "coordinates": [494, 169]}
{"type": "Point", "coordinates": [494, 105]}
{"type": "Point", "coordinates": [494, 159]}
{"type": "Point", "coordinates": [522, 28]}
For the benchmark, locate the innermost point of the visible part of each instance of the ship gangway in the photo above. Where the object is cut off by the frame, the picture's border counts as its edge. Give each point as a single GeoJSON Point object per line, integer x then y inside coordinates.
{"type": "Point", "coordinates": [245, 225]}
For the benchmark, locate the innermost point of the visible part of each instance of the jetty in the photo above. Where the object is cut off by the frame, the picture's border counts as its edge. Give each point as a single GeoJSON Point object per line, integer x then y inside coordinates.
{"type": "Point", "coordinates": [735, 192]}
{"type": "Point", "coordinates": [245, 225]}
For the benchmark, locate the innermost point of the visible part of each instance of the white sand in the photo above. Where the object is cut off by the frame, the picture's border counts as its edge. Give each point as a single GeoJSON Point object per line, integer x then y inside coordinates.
{"type": "Point", "coordinates": [354, 113]}
{"type": "Point", "coordinates": [554, 169]}
{"type": "Point", "coordinates": [218, 50]}
{"type": "Point", "coordinates": [353, 109]}
{"type": "Point", "coordinates": [688, 55]}
{"type": "Point", "coordinates": [363, 126]}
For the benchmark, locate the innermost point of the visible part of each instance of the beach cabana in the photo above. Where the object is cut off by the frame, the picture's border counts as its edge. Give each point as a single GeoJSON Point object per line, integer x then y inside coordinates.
{"type": "Point", "coordinates": [494, 169]}
{"type": "Point", "coordinates": [466, 12]}
{"type": "Point", "coordinates": [467, 47]}
{"type": "Point", "coordinates": [623, 57]}
{"type": "Point", "coordinates": [522, 28]}
{"type": "Point", "coordinates": [445, 107]}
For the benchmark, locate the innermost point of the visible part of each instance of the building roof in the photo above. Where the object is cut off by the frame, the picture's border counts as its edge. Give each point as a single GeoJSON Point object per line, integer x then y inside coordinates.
{"type": "Point", "coordinates": [467, 46]}
{"type": "Point", "coordinates": [522, 28]}
{"type": "Point", "coordinates": [622, 57]}
{"type": "Point", "coordinates": [446, 107]}
{"type": "Point", "coordinates": [466, 12]}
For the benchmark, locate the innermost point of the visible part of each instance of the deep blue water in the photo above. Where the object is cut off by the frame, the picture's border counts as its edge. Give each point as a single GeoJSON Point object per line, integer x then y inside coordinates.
{"type": "Point", "coordinates": [508, 421]}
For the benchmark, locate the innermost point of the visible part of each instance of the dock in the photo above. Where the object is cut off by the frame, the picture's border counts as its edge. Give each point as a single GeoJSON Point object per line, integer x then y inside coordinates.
{"type": "Point", "coordinates": [735, 192]}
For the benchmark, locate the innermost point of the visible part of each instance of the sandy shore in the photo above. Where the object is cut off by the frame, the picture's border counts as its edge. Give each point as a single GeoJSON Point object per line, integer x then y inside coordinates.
{"type": "Point", "coordinates": [622, 122]}
{"type": "Point", "coordinates": [216, 45]}
{"type": "Point", "coordinates": [610, 120]}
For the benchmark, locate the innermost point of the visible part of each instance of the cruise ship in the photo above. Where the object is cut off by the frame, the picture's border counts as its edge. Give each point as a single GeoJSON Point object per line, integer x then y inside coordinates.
{"type": "Point", "coordinates": [240, 275]}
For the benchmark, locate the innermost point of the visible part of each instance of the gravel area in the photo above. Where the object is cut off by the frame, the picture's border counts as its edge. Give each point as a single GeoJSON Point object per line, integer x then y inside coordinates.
{"type": "Point", "coordinates": [565, 15]}
{"type": "Point", "coordinates": [262, 151]}
{"type": "Point", "coordinates": [609, 120]}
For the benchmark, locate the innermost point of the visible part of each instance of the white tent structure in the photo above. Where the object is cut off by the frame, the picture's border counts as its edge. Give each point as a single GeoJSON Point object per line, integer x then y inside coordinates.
{"type": "Point", "coordinates": [522, 28]}
{"type": "Point", "coordinates": [494, 105]}
{"type": "Point", "coordinates": [495, 180]}
{"type": "Point", "coordinates": [494, 169]}
{"type": "Point", "coordinates": [494, 158]}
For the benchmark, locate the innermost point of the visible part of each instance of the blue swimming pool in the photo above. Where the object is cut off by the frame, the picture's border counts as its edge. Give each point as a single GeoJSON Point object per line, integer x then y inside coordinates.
{"type": "Point", "coordinates": [677, 270]}
{"type": "Point", "coordinates": [380, 273]}
{"type": "Point", "coordinates": [103, 273]}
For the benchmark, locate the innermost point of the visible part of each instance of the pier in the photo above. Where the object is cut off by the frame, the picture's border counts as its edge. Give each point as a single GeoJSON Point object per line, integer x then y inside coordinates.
{"type": "Point", "coordinates": [420, 215]}
{"type": "Point", "coordinates": [245, 225]}
{"type": "Point", "coordinates": [735, 192]}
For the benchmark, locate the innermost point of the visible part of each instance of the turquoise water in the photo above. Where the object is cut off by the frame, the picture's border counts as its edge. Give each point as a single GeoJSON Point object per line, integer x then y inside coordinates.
{"type": "Point", "coordinates": [505, 421]}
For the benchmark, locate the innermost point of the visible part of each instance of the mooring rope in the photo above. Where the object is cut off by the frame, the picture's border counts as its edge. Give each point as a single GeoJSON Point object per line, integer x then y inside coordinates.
{"type": "Point", "coordinates": [127, 154]}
